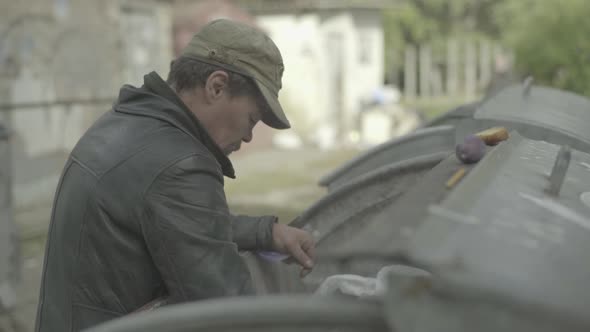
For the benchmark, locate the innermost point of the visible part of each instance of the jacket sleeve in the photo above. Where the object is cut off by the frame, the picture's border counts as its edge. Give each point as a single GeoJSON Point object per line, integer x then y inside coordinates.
{"type": "Point", "coordinates": [187, 229]}
{"type": "Point", "coordinates": [253, 233]}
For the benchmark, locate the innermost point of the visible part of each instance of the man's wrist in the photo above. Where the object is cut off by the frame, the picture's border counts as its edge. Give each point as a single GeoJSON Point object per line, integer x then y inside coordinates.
{"type": "Point", "coordinates": [264, 236]}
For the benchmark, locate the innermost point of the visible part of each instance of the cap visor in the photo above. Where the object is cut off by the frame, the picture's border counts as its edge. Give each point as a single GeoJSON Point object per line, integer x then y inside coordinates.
{"type": "Point", "coordinates": [277, 119]}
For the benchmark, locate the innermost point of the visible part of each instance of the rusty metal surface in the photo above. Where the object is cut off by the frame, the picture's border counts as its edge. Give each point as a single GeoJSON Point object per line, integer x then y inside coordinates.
{"type": "Point", "coordinates": [287, 313]}
{"type": "Point", "coordinates": [422, 142]}
{"type": "Point", "coordinates": [504, 249]}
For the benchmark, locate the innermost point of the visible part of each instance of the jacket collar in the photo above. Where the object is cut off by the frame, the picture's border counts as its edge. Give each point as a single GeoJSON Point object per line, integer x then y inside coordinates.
{"type": "Point", "coordinates": [182, 118]}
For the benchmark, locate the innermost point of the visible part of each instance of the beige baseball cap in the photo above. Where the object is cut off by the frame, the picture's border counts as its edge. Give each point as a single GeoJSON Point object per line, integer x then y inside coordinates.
{"type": "Point", "coordinates": [246, 50]}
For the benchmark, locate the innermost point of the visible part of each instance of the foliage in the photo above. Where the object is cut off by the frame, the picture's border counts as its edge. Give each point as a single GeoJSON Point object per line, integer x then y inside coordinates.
{"type": "Point", "coordinates": [415, 22]}
{"type": "Point", "coordinates": [550, 40]}
{"type": "Point", "coordinates": [548, 37]}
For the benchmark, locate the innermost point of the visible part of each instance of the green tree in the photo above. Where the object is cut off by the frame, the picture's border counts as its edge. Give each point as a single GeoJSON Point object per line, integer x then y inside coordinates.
{"type": "Point", "coordinates": [550, 40]}
{"type": "Point", "coordinates": [418, 22]}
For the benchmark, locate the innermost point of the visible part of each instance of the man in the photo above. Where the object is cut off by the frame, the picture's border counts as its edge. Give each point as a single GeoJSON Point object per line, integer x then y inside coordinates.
{"type": "Point", "coordinates": [140, 210]}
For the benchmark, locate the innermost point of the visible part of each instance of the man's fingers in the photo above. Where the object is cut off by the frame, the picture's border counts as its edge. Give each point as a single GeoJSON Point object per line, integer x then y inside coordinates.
{"type": "Point", "coordinates": [309, 247]}
{"type": "Point", "coordinates": [297, 243]}
{"type": "Point", "coordinates": [301, 257]}
{"type": "Point", "coordinates": [309, 251]}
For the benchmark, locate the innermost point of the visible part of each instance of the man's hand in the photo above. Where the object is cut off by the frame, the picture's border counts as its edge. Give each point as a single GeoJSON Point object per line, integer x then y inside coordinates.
{"type": "Point", "coordinates": [295, 242]}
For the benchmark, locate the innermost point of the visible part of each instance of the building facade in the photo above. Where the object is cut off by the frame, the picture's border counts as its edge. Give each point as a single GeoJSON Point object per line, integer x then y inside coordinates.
{"type": "Point", "coordinates": [61, 65]}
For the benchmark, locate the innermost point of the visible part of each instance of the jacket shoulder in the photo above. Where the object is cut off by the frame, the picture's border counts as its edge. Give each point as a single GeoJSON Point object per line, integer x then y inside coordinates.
{"type": "Point", "coordinates": [118, 141]}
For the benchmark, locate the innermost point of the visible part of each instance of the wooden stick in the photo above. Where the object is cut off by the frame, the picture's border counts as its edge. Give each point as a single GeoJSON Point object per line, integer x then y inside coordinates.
{"type": "Point", "coordinates": [456, 177]}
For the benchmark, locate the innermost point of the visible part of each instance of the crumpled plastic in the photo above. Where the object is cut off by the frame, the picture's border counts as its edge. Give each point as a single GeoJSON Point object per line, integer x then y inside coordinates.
{"type": "Point", "coordinates": [358, 286]}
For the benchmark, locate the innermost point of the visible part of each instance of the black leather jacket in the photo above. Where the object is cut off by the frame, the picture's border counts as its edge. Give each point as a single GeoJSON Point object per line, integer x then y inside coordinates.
{"type": "Point", "coordinates": [140, 210]}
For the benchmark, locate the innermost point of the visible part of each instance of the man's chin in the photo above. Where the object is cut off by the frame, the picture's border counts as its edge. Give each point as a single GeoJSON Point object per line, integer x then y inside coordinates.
{"type": "Point", "coordinates": [231, 149]}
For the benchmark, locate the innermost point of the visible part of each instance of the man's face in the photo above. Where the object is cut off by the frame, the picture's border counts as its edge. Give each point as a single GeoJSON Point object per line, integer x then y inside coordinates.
{"type": "Point", "coordinates": [229, 119]}
{"type": "Point", "coordinates": [235, 119]}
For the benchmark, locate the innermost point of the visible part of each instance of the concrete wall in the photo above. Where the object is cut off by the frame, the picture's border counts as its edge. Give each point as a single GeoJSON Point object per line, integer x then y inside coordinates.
{"type": "Point", "coordinates": [303, 95]}
{"type": "Point", "coordinates": [368, 61]}
{"type": "Point", "coordinates": [62, 63]}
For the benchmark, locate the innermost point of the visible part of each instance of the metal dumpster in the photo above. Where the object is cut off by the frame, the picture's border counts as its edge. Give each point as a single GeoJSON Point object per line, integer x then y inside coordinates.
{"type": "Point", "coordinates": [403, 176]}
{"type": "Point", "coordinates": [536, 112]}
{"type": "Point", "coordinates": [503, 249]}
{"type": "Point", "coordinates": [271, 313]}
{"type": "Point", "coordinates": [423, 142]}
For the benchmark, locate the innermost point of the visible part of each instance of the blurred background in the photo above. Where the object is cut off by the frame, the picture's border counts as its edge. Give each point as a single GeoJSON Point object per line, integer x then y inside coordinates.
{"type": "Point", "coordinates": [357, 73]}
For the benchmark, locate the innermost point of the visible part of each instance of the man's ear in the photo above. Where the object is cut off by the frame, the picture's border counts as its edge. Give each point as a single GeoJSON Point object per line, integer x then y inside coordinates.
{"type": "Point", "coordinates": [216, 85]}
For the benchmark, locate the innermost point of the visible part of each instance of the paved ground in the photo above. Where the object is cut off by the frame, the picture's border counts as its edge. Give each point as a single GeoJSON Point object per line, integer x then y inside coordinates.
{"type": "Point", "coordinates": [275, 182]}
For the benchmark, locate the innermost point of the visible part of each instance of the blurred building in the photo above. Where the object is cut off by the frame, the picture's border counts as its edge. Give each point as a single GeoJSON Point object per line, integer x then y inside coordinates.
{"type": "Point", "coordinates": [190, 16]}
{"type": "Point", "coordinates": [333, 54]}
{"type": "Point", "coordinates": [62, 63]}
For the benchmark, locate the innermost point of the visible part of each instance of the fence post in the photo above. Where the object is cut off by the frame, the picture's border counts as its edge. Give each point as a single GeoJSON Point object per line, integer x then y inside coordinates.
{"type": "Point", "coordinates": [452, 68]}
{"type": "Point", "coordinates": [410, 73]}
{"type": "Point", "coordinates": [470, 70]}
{"type": "Point", "coordinates": [485, 63]}
{"type": "Point", "coordinates": [425, 71]}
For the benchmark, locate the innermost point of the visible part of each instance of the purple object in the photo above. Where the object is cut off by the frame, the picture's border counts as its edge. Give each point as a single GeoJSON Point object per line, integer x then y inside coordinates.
{"type": "Point", "coordinates": [272, 256]}
{"type": "Point", "coordinates": [471, 150]}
